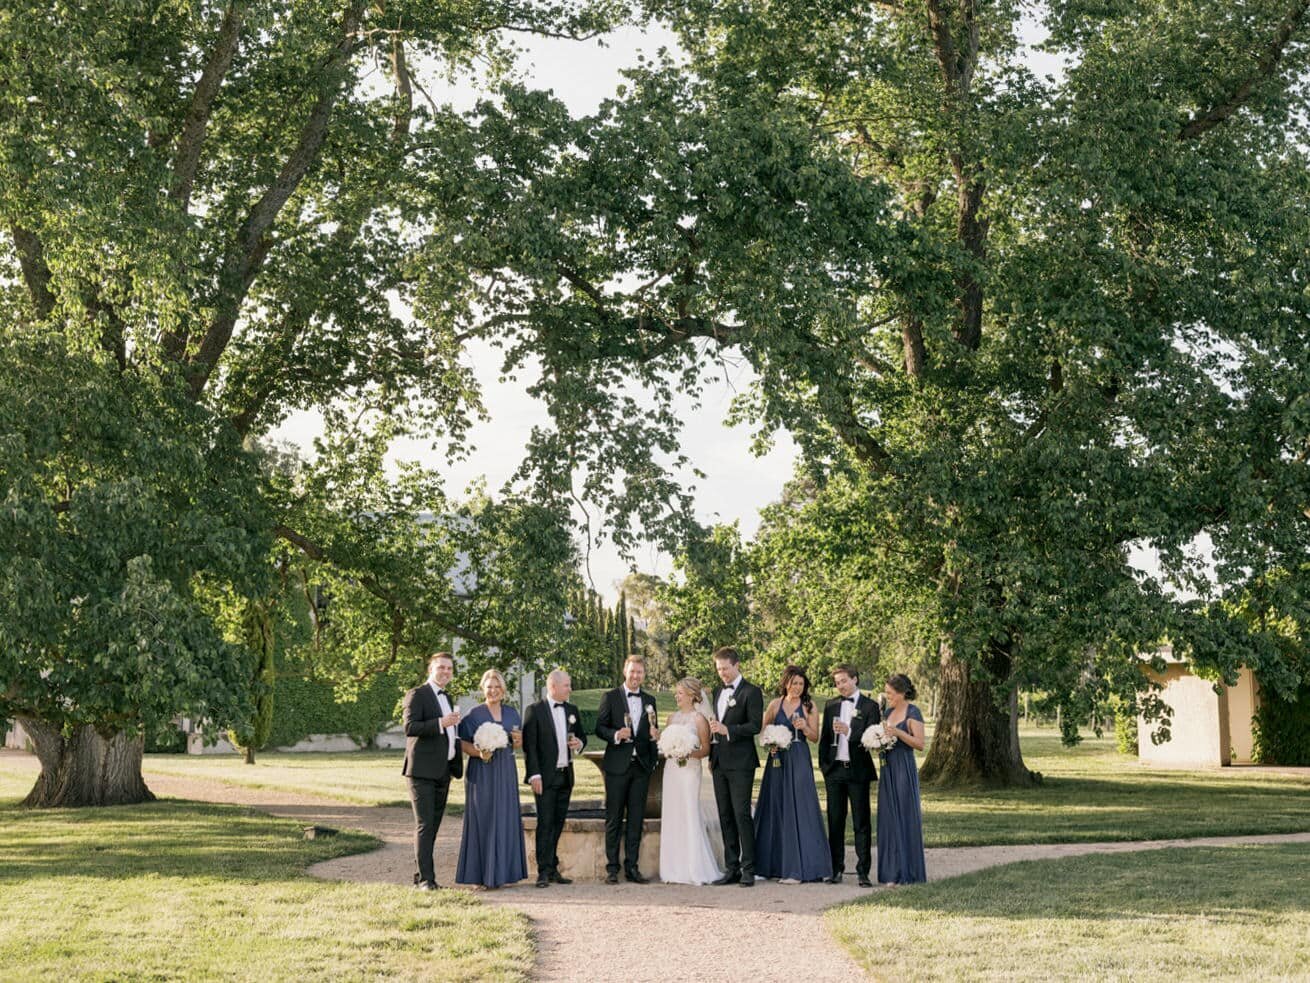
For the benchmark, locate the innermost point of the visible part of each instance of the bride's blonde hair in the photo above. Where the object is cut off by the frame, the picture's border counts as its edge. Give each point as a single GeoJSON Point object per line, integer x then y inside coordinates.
{"type": "Point", "coordinates": [692, 685]}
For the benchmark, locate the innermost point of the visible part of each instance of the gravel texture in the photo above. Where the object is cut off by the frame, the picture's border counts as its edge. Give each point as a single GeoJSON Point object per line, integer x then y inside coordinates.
{"type": "Point", "coordinates": [654, 932]}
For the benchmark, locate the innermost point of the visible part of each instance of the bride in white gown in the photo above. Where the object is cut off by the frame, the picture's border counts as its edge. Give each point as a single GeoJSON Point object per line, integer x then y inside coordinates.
{"type": "Point", "coordinates": [691, 845]}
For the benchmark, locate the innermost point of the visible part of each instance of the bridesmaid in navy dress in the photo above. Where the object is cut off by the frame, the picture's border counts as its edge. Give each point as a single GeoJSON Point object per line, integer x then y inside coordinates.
{"type": "Point", "coordinates": [791, 841]}
{"type": "Point", "coordinates": [491, 851]}
{"type": "Point", "coordinates": [900, 817]}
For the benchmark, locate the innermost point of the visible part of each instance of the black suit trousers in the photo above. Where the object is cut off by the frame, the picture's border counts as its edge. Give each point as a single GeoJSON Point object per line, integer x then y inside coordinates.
{"type": "Point", "coordinates": [843, 790]}
{"type": "Point", "coordinates": [428, 797]}
{"type": "Point", "coordinates": [625, 801]}
{"type": "Point", "coordinates": [732, 794]}
{"type": "Point", "coordinates": [552, 807]}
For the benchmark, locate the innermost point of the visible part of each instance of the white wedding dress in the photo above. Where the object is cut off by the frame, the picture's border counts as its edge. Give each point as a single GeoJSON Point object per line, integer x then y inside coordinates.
{"type": "Point", "coordinates": [691, 844]}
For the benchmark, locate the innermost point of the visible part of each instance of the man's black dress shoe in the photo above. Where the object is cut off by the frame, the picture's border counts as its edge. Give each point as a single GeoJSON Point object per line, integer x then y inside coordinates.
{"type": "Point", "coordinates": [834, 879]}
{"type": "Point", "coordinates": [542, 881]}
{"type": "Point", "coordinates": [612, 877]}
{"type": "Point", "coordinates": [427, 886]}
{"type": "Point", "coordinates": [747, 880]}
{"type": "Point", "coordinates": [728, 878]}
{"type": "Point", "coordinates": [636, 877]}
{"type": "Point", "coordinates": [865, 882]}
{"type": "Point", "coordinates": [557, 878]}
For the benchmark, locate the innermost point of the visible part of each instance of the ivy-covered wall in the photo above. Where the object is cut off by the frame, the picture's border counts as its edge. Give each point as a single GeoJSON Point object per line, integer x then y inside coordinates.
{"type": "Point", "coordinates": [1282, 728]}
{"type": "Point", "coordinates": [304, 705]}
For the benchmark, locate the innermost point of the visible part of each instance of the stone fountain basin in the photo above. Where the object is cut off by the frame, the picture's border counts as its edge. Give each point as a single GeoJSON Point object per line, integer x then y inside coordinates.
{"type": "Point", "coordinates": [581, 846]}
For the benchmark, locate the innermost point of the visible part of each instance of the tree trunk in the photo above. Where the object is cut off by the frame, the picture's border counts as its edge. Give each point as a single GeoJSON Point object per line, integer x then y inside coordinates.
{"type": "Point", "coordinates": [85, 769]}
{"type": "Point", "coordinates": [250, 756]}
{"type": "Point", "coordinates": [975, 742]}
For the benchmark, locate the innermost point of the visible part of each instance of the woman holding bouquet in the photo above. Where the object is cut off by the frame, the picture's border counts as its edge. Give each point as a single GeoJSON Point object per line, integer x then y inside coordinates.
{"type": "Point", "coordinates": [900, 818]}
{"type": "Point", "coordinates": [491, 852]}
{"type": "Point", "coordinates": [791, 842]}
{"type": "Point", "coordinates": [689, 822]}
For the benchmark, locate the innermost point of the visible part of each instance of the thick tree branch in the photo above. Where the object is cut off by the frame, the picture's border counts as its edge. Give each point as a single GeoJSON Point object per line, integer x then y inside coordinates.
{"type": "Point", "coordinates": [36, 274]}
{"type": "Point", "coordinates": [1265, 66]}
{"type": "Point", "coordinates": [245, 256]}
{"type": "Point", "coordinates": [916, 352]}
{"type": "Point", "coordinates": [972, 233]}
{"type": "Point", "coordinates": [404, 90]}
{"type": "Point", "coordinates": [375, 587]}
{"type": "Point", "coordinates": [186, 161]}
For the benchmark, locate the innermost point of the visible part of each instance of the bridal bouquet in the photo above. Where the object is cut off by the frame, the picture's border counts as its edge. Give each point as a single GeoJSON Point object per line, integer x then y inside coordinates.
{"type": "Point", "coordinates": [776, 738]}
{"type": "Point", "coordinates": [677, 741]}
{"type": "Point", "coordinates": [490, 738]}
{"type": "Point", "coordinates": [878, 738]}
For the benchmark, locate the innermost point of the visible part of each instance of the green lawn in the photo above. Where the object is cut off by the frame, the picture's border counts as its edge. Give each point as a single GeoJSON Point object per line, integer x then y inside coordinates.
{"type": "Point", "coordinates": [1224, 913]}
{"type": "Point", "coordinates": [1090, 793]}
{"type": "Point", "coordinates": [176, 890]}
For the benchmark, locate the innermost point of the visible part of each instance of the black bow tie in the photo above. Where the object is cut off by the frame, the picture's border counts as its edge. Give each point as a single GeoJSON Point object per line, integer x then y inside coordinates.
{"type": "Point", "coordinates": [557, 706]}
{"type": "Point", "coordinates": [849, 699]}
{"type": "Point", "coordinates": [441, 692]}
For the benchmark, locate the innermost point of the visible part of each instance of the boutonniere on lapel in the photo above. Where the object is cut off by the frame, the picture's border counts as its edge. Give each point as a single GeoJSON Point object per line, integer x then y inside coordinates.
{"type": "Point", "coordinates": [573, 719]}
{"type": "Point", "coordinates": [732, 701]}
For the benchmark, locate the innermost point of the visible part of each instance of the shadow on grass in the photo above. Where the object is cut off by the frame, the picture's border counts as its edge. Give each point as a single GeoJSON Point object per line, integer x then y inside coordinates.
{"type": "Point", "coordinates": [1235, 884]}
{"type": "Point", "coordinates": [167, 839]}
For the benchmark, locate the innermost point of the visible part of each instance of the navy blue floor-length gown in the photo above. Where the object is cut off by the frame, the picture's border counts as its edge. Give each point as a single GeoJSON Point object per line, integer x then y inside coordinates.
{"type": "Point", "coordinates": [900, 816]}
{"type": "Point", "coordinates": [791, 840]}
{"type": "Point", "coordinates": [491, 851]}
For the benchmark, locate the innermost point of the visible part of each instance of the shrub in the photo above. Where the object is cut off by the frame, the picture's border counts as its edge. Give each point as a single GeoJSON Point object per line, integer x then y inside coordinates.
{"type": "Point", "coordinates": [1282, 728]}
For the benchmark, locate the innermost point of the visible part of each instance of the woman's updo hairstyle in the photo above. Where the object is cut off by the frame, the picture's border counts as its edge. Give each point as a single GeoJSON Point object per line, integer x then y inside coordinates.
{"type": "Point", "coordinates": [901, 683]}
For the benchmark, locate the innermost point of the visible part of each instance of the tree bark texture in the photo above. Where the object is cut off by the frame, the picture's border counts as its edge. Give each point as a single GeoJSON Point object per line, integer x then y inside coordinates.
{"type": "Point", "coordinates": [976, 741]}
{"type": "Point", "coordinates": [85, 769]}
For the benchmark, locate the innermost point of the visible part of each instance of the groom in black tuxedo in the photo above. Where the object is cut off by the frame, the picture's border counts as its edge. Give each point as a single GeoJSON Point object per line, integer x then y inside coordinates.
{"type": "Point", "coordinates": [432, 760]}
{"type": "Point", "coordinates": [848, 772]}
{"type": "Point", "coordinates": [552, 735]}
{"type": "Point", "coordinates": [739, 715]}
{"type": "Point", "coordinates": [627, 725]}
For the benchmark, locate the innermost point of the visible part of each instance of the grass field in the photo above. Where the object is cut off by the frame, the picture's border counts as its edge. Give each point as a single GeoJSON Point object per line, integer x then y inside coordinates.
{"type": "Point", "coordinates": [176, 890]}
{"type": "Point", "coordinates": [1229, 913]}
{"type": "Point", "coordinates": [1090, 793]}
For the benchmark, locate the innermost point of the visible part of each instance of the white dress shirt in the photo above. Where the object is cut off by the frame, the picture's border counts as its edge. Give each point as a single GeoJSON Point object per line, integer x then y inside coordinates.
{"type": "Point", "coordinates": [634, 713]}
{"type": "Point", "coordinates": [729, 691]}
{"type": "Point", "coordinates": [846, 712]}
{"type": "Point", "coordinates": [443, 704]}
{"type": "Point", "coordinates": [561, 734]}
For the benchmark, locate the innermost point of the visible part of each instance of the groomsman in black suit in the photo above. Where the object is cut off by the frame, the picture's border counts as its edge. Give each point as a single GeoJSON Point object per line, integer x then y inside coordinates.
{"type": "Point", "coordinates": [627, 725]}
{"type": "Point", "coordinates": [848, 772]}
{"type": "Point", "coordinates": [432, 760]}
{"type": "Point", "coordinates": [552, 735]}
{"type": "Point", "coordinates": [739, 715]}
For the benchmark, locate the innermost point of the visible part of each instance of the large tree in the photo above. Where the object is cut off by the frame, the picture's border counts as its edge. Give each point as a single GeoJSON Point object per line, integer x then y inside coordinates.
{"type": "Point", "coordinates": [1020, 325]}
{"type": "Point", "coordinates": [210, 211]}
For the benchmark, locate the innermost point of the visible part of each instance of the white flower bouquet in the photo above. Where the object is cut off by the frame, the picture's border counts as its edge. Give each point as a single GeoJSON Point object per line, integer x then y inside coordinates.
{"type": "Point", "coordinates": [878, 738]}
{"type": "Point", "coordinates": [776, 738]}
{"type": "Point", "coordinates": [678, 741]}
{"type": "Point", "coordinates": [490, 738]}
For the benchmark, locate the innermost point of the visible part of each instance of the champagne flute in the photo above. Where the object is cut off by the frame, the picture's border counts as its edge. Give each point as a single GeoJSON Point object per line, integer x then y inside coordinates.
{"type": "Point", "coordinates": [627, 722]}
{"type": "Point", "coordinates": [650, 717]}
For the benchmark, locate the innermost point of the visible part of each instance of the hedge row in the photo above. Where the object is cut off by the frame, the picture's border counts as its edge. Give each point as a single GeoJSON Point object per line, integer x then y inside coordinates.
{"type": "Point", "coordinates": [304, 706]}
{"type": "Point", "coordinates": [1282, 728]}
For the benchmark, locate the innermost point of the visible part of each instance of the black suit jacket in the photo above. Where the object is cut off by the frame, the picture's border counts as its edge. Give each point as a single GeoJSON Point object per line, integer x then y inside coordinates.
{"type": "Point", "coordinates": [866, 714]}
{"type": "Point", "coordinates": [744, 720]}
{"type": "Point", "coordinates": [540, 747]}
{"type": "Point", "coordinates": [613, 705]}
{"type": "Point", "coordinates": [426, 744]}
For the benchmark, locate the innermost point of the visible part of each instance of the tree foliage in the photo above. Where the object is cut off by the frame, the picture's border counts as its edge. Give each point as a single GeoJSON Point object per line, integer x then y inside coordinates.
{"type": "Point", "coordinates": [1020, 325]}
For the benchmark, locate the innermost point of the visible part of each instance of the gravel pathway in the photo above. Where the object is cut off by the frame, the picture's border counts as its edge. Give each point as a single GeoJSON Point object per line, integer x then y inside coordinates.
{"type": "Point", "coordinates": [771, 932]}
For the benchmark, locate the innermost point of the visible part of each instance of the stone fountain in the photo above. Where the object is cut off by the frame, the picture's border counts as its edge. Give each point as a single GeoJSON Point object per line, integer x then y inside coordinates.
{"type": "Point", "coordinates": [582, 843]}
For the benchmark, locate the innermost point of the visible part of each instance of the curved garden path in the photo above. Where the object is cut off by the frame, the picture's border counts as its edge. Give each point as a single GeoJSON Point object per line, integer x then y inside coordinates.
{"type": "Point", "coordinates": [654, 932]}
